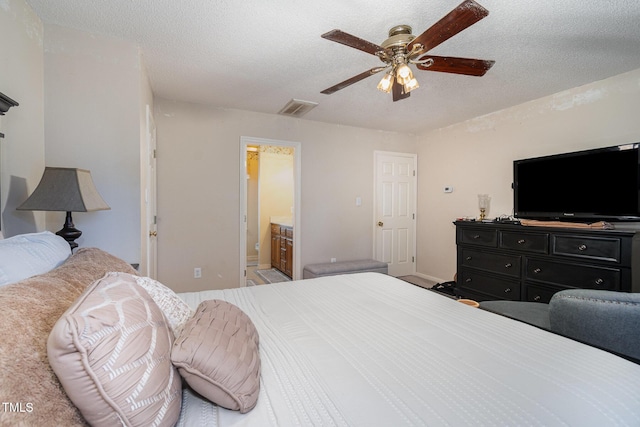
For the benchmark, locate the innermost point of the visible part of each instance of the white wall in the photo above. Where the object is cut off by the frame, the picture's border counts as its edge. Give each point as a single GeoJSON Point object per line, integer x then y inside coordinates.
{"type": "Point", "coordinates": [199, 198]}
{"type": "Point", "coordinates": [22, 150]}
{"type": "Point", "coordinates": [94, 98]}
{"type": "Point", "coordinates": [477, 156]}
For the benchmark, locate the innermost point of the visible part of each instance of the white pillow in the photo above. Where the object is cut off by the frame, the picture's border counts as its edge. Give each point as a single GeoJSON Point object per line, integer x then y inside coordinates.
{"type": "Point", "coordinates": [174, 308]}
{"type": "Point", "coordinates": [31, 254]}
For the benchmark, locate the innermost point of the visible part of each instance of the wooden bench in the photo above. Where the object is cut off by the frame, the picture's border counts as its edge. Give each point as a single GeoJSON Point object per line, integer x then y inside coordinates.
{"type": "Point", "coordinates": [344, 267]}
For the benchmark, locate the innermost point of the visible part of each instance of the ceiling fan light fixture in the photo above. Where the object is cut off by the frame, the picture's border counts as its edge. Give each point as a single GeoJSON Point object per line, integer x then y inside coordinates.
{"type": "Point", "coordinates": [411, 85]}
{"type": "Point", "coordinates": [386, 83]}
{"type": "Point", "coordinates": [403, 73]}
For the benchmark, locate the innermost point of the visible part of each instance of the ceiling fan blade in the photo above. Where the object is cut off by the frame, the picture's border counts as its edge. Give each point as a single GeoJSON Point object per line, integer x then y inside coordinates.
{"type": "Point", "coordinates": [466, 66]}
{"type": "Point", "coordinates": [346, 39]}
{"type": "Point", "coordinates": [352, 80]}
{"type": "Point", "coordinates": [398, 91]}
{"type": "Point", "coordinates": [466, 14]}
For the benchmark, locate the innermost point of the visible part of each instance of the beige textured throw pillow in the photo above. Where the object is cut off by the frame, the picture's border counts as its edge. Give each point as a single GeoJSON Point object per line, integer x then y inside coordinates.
{"type": "Point", "coordinates": [174, 308]}
{"type": "Point", "coordinates": [217, 355]}
{"type": "Point", "coordinates": [111, 352]}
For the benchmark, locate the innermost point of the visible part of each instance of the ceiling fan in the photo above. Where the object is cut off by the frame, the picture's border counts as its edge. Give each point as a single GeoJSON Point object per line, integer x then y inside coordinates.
{"type": "Point", "coordinates": [403, 48]}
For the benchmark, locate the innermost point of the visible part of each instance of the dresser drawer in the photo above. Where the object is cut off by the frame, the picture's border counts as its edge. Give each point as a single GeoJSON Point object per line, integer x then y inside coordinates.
{"type": "Point", "coordinates": [573, 275]}
{"type": "Point", "coordinates": [535, 293]}
{"type": "Point", "coordinates": [497, 263]}
{"type": "Point", "coordinates": [474, 236]}
{"type": "Point", "coordinates": [526, 242]}
{"type": "Point", "coordinates": [495, 287]}
{"type": "Point", "coordinates": [594, 248]}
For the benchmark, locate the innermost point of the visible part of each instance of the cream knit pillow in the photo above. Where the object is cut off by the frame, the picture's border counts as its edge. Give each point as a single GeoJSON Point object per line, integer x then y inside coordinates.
{"type": "Point", "coordinates": [174, 308]}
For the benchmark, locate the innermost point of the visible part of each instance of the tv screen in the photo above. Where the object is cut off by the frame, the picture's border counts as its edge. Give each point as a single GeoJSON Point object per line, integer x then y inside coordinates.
{"type": "Point", "coordinates": [600, 184]}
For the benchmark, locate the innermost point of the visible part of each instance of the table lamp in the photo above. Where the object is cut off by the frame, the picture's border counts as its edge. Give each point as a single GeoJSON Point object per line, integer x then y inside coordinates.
{"type": "Point", "coordinates": [67, 190]}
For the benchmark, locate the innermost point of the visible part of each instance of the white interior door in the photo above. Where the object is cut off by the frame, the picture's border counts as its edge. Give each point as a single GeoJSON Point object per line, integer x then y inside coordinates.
{"type": "Point", "coordinates": [395, 206]}
{"type": "Point", "coordinates": [151, 199]}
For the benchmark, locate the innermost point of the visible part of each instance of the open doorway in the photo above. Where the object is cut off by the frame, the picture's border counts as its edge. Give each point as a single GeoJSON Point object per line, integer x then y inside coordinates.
{"type": "Point", "coordinates": [270, 200]}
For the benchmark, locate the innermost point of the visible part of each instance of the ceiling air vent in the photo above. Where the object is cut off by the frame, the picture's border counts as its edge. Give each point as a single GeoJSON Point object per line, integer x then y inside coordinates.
{"type": "Point", "coordinates": [297, 108]}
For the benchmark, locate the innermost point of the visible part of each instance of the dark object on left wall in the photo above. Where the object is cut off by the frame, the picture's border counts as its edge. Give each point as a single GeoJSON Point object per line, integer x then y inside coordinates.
{"type": "Point", "coordinates": [67, 190]}
{"type": "Point", "coordinates": [5, 104]}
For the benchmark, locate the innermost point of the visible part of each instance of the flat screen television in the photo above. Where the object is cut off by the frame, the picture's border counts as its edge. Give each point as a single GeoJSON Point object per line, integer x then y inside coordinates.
{"type": "Point", "coordinates": [592, 185]}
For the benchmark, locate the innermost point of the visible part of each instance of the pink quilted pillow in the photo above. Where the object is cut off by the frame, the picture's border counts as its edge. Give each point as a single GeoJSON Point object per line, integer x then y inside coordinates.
{"type": "Point", "coordinates": [217, 355]}
{"type": "Point", "coordinates": [111, 352]}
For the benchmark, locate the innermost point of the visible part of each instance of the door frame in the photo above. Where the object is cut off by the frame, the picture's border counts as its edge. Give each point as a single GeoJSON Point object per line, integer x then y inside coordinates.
{"type": "Point", "coordinates": [149, 261]}
{"type": "Point", "coordinates": [414, 156]}
{"type": "Point", "coordinates": [245, 141]}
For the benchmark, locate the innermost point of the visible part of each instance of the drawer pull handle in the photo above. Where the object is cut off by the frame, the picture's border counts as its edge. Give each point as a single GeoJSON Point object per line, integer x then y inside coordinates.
{"type": "Point", "coordinates": [469, 258]}
{"type": "Point", "coordinates": [506, 291]}
{"type": "Point", "coordinates": [537, 298]}
{"type": "Point", "coordinates": [468, 280]}
{"type": "Point", "coordinates": [521, 242]}
{"type": "Point", "coordinates": [476, 236]}
{"type": "Point", "coordinates": [582, 247]}
{"type": "Point", "coordinates": [537, 270]}
{"type": "Point", "coordinates": [508, 265]}
{"type": "Point", "coordinates": [599, 282]}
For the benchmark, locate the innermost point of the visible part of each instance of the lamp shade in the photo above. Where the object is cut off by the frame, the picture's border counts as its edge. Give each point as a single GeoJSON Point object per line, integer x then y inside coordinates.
{"type": "Point", "coordinates": [65, 189]}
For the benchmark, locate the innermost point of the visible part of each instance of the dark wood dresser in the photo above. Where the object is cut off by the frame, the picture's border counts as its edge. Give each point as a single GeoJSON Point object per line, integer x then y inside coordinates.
{"type": "Point", "coordinates": [498, 261]}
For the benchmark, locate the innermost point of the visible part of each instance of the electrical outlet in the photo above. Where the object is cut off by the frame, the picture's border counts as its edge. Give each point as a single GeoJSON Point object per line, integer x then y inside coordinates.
{"type": "Point", "coordinates": [333, 260]}
{"type": "Point", "coordinates": [197, 273]}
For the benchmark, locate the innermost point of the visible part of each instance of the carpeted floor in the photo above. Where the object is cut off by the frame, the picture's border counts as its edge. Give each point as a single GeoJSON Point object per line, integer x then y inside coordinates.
{"type": "Point", "coordinates": [272, 276]}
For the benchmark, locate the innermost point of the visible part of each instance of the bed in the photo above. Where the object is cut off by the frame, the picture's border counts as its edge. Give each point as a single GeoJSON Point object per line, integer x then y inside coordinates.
{"type": "Point", "coordinates": [371, 350]}
{"type": "Point", "coordinates": [361, 349]}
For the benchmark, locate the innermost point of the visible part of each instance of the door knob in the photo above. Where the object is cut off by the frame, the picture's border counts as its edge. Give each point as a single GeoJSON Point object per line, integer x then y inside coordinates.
{"type": "Point", "coordinates": [153, 233]}
{"type": "Point", "coordinates": [380, 223]}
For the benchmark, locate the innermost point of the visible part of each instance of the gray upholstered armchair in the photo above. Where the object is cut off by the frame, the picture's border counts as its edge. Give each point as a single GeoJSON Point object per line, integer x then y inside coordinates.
{"type": "Point", "coordinates": [605, 319]}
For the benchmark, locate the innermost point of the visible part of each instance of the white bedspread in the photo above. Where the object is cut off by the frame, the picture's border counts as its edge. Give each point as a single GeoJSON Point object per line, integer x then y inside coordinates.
{"type": "Point", "coordinates": [370, 350]}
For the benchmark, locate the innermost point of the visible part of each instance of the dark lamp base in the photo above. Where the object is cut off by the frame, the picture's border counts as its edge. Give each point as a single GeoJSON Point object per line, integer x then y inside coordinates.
{"type": "Point", "coordinates": [69, 232]}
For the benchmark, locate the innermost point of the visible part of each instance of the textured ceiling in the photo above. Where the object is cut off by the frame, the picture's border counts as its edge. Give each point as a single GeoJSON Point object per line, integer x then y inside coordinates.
{"type": "Point", "coordinates": [257, 55]}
